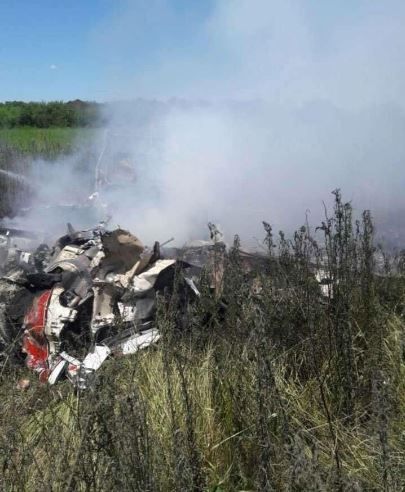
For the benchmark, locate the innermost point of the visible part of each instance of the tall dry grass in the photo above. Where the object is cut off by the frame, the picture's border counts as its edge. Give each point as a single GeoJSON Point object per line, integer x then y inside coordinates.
{"type": "Point", "coordinates": [270, 387]}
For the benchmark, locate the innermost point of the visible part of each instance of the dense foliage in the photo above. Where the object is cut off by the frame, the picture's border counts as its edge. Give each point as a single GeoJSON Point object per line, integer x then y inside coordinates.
{"type": "Point", "coordinates": [49, 114]}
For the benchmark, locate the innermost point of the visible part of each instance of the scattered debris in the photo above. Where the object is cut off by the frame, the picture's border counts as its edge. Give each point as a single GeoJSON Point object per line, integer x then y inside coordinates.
{"type": "Point", "coordinates": [94, 289]}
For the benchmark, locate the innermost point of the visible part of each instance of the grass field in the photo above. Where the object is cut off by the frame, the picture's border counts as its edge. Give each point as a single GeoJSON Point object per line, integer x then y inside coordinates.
{"type": "Point", "coordinates": [45, 142]}
{"type": "Point", "coordinates": [284, 390]}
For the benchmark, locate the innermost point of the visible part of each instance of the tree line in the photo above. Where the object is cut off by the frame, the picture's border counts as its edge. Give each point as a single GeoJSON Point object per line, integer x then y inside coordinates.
{"type": "Point", "coordinates": [50, 114]}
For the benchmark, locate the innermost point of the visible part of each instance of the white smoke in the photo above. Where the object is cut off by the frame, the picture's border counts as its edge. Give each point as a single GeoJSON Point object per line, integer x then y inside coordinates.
{"type": "Point", "coordinates": [241, 164]}
{"type": "Point", "coordinates": [300, 98]}
{"type": "Point", "coordinates": [297, 109]}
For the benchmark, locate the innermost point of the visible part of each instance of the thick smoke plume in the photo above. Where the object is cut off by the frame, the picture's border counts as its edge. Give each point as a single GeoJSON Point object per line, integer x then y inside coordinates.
{"type": "Point", "coordinates": [298, 99]}
{"type": "Point", "coordinates": [304, 99]}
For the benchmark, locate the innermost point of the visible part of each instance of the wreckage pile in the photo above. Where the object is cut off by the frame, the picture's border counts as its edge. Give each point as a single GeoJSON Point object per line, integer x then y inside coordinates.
{"type": "Point", "coordinates": [66, 308]}
{"type": "Point", "coordinates": [97, 287]}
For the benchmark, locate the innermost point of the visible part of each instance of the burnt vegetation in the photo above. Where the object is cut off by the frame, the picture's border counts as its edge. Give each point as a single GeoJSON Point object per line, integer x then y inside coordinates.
{"type": "Point", "coordinates": [272, 382]}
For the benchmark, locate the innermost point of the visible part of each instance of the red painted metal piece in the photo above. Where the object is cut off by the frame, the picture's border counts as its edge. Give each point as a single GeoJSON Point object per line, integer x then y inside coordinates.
{"type": "Point", "coordinates": [35, 344]}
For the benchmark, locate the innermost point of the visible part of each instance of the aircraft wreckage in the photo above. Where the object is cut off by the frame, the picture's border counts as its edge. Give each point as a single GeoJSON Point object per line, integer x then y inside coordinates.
{"type": "Point", "coordinates": [93, 294]}
{"type": "Point", "coordinates": [65, 309]}
{"type": "Point", "coordinates": [96, 288]}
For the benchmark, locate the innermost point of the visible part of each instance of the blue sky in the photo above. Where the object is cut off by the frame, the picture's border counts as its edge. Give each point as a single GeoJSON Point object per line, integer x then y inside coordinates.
{"type": "Point", "coordinates": [45, 51]}
{"type": "Point", "coordinates": [55, 49]}
{"type": "Point", "coordinates": [276, 49]}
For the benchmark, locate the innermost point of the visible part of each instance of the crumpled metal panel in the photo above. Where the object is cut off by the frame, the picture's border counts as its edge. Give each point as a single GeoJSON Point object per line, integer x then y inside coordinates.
{"type": "Point", "coordinates": [145, 281]}
{"type": "Point", "coordinates": [110, 276]}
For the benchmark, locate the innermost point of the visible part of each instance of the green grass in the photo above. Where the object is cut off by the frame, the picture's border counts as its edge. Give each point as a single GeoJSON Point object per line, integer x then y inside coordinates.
{"type": "Point", "coordinates": [46, 142]}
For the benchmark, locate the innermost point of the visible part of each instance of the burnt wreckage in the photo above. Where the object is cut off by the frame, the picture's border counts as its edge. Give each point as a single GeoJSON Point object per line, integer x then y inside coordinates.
{"type": "Point", "coordinates": [64, 310]}
{"type": "Point", "coordinates": [95, 290]}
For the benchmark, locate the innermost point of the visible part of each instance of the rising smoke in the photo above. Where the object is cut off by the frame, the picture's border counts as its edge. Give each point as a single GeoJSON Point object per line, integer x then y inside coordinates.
{"type": "Point", "coordinates": [280, 102]}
